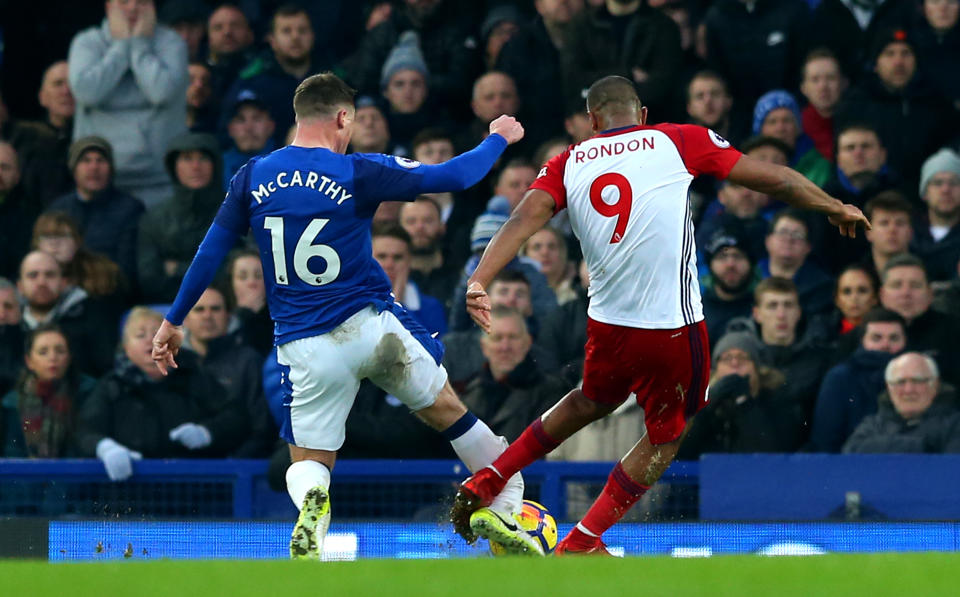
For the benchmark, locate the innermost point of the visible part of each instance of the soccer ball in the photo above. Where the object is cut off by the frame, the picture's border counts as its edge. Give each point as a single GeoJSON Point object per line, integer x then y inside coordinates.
{"type": "Point", "coordinates": [539, 524]}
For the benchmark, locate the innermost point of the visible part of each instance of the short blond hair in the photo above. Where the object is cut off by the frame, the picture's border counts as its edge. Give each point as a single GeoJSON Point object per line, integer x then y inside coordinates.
{"type": "Point", "coordinates": [136, 314]}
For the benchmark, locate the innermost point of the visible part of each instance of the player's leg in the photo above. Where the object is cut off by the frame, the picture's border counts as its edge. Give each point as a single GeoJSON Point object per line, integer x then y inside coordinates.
{"type": "Point", "coordinates": [319, 386]}
{"type": "Point", "coordinates": [477, 447]}
{"type": "Point", "coordinates": [308, 483]}
{"type": "Point", "coordinates": [630, 479]}
{"type": "Point", "coordinates": [606, 385]}
{"type": "Point", "coordinates": [672, 391]}
{"type": "Point", "coordinates": [409, 368]}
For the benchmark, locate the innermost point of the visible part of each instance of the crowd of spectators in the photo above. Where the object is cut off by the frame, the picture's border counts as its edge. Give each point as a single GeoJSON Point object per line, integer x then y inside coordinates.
{"type": "Point", "coordinates": [116, 151]}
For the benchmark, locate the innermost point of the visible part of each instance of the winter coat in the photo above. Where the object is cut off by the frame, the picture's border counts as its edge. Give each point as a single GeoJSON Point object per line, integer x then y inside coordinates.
{"type": "Point", "coordinates": [650, 41]}
{"type": "Point", "coordinates": [848, 394]}
{"type": "Point", "coordinates": [464, 360]}
{"type": "Point", "coordinates": [937, 57]}
{"type": "Point", "coordinates": [834, 26]}
{"type": "Point", "coordinates": [449, 49]}
{"type": "Point", "coordinates": [936, 431]}
{"type": "Point", "coordinates": [90, 325]}
{"type": "Point", "coordinates": [108, 222]}
{"type": "Point", "coordinates": [912, 122]}
{"type": "Point", "coordinates": [139, 413]}
{"type": "Point", "coordinates": [510, 405]}
{"type": "Point", "coordinates": [237, 368]}
{"type": "Point", "coordinates": [736, 422]}
{"type": "Point", "coordinates": [12, 441]}
{"type": "Point", "coordinates": [541, 295]}
{"type": "Point", "coordinates": [174, 229]}
{"type": "Point", "coordinates": [132, 92]}
{"type": "Point", "coordinates": [939, 256]}
{"type": "Point", "coordinates": [563, 335]}
{"type": "Point", "coordinates": [757, 46]}
{"type": "Point", "coordinates": [718, 312]}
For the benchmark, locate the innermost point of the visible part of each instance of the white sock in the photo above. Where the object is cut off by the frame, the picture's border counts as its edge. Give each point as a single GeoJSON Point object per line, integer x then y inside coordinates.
{"type": "Point", "coordinates": [303, 476]}
{"type": "Point", "coordinates": [479, 447]}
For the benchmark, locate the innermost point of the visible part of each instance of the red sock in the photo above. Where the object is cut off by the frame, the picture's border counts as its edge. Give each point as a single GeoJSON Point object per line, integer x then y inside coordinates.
{"type": "Point", "coordinates": [533, 444]}
{"type": "Point", "coordinates": [618, 495]}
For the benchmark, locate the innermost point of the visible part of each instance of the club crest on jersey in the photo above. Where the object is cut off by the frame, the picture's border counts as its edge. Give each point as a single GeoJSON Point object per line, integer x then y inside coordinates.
{"type": "Point", "coordinates": [718, 140]}
{"type": "Point", "coordinates": [406, 163]}
{"type": "Point", "coordinates": [543, 172]}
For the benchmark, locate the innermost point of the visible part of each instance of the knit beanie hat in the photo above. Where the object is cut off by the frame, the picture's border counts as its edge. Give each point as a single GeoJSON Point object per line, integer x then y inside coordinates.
{"type": "Point", "coordinates": [945, 160]}
{"type": "Point", "coordinates": [769, 102]}
{"type": "Point", "coordinates": [84, 144]}
{"type": "Point", "coordinates": [406, 55]}
{"type": "Point", "coordinates": [484, 227]}
{"type": "Point", "coordinates": [744, 341]}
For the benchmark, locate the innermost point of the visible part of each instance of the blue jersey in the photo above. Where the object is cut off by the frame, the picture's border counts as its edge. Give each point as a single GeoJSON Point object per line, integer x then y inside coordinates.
{"type": "Point", "coordinates": [310, 210]}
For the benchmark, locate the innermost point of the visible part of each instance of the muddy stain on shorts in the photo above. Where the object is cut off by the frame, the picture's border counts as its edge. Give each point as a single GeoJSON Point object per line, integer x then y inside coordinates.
{"type": "Point", "coordinates": [390, 360]}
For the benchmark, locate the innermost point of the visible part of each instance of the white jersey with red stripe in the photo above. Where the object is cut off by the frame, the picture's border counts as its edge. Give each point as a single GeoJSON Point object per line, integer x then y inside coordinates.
{"type": "Point", "coordinates": [626, 194]}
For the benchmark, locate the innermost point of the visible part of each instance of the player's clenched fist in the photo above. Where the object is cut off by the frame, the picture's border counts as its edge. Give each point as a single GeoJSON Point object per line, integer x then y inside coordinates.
{"type": "Point", "coordinates": [507, 127]}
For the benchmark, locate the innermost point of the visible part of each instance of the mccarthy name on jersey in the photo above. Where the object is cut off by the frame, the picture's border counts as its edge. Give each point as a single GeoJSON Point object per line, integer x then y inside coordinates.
{"type": "Point", "coordinates": [310, 210]}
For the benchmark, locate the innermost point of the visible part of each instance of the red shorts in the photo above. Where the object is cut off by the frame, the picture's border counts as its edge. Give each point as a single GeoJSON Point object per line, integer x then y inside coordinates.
{"type": "Point", "coordinates": [668, 370]}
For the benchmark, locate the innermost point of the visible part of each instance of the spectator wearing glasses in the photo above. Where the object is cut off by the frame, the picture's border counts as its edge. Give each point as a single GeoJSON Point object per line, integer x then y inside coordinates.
{"type": "Point", "coordinates": [917, 414]}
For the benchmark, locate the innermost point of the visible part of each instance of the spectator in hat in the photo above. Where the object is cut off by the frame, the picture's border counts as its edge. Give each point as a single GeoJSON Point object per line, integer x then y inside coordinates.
{"type": "Point", "coordinates": [129, 77]}
{"type": "Point", "coordinates": [777, 115]}
{"type": "Point", "coordinates": [747, 411]}
{"type": "Point", "coordinates": [108, 219]}
{"type": "Point", "coordinates": [908, 114]}
{"type": "Point", "coordinates": [728, 285]}
{"type": "Point", "coordinates": [251, 130]}
{"type": "Point", "coordinates": [936, 232]}
{"type": "Point", "coordinates": [485, 226]}
{"type": "Point", "coordinates": [501, 24]}
{"type": "Point", "coordinates": [171, 232]}
{"type": "Point", "coordinates": [404, 83]}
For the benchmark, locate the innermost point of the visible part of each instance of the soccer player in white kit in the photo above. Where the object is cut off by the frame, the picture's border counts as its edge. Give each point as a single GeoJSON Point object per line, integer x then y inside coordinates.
{"type": "Point", "coordinates": [625, 190]}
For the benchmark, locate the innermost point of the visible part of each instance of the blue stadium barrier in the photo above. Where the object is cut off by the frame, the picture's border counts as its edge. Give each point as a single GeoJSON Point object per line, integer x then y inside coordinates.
{"type": "Point", "coordinates": [222, 489]}
{"type": "Point", "coordinates": [826, 486]}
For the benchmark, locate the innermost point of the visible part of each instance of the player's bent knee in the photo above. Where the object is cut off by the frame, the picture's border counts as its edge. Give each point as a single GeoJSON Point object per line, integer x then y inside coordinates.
{"type": "Point", "coordinates": [445, 410]}
{"type": "Point", "coordinates": [325, 457]}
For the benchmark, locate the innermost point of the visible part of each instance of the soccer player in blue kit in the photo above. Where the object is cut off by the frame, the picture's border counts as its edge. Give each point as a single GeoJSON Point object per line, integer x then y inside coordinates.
{"type": "Point", "coordinates": [336, 321]}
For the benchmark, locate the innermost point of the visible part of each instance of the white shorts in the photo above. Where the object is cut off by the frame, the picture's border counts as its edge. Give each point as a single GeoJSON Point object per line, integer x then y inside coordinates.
{"type": "Point", "coordinates": [391, 349]}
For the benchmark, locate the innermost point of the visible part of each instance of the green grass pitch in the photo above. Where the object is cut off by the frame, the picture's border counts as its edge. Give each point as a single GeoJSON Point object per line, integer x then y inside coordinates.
{"type": "Point", "coordinates": [845, 575]}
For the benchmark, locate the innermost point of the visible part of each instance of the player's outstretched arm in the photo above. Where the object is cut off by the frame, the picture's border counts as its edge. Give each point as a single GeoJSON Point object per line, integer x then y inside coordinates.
{"type": "Point", "coordinates": [790, 186]}
{"type": "Point", "coordinates": [531, 215]}
{"type": "Point", "coordinates": [166, 343]}
{"type": "Point", "coordinates": [469, 168]}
